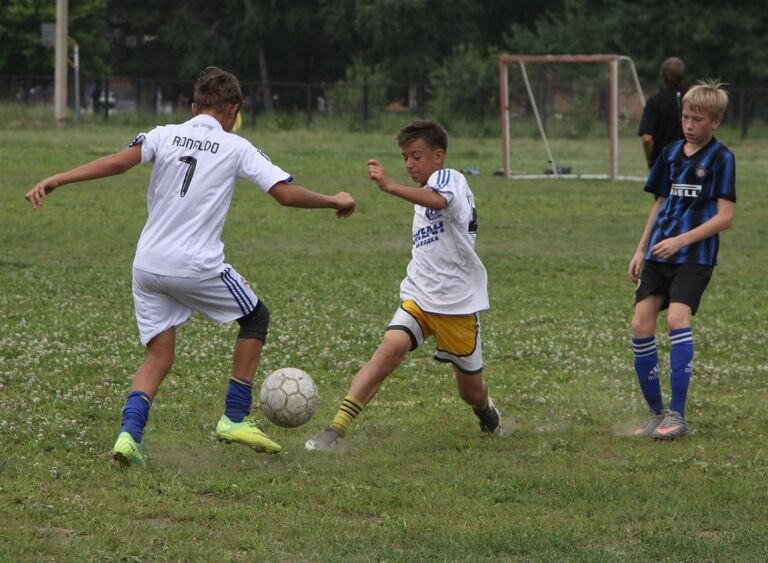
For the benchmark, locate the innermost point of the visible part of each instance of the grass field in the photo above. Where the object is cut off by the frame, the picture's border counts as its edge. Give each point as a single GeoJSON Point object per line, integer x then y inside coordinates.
{"type": "Point", "coordinates": [417, 481]}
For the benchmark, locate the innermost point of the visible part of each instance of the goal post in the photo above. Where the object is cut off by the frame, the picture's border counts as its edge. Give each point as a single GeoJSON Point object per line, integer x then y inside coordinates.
{"type": "Point", "coordinates": [598, 90]}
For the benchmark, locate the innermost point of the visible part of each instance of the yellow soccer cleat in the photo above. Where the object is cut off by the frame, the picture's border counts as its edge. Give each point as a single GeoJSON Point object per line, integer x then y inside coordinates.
{"type": "Point", "coordinates": [127, 452]}
{"type": "Point", "coordinates": [246, 433]}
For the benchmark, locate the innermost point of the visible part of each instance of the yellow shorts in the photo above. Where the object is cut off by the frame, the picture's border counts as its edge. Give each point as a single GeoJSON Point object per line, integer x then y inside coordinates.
{"type": "Point", "coordinates": [457, 336]}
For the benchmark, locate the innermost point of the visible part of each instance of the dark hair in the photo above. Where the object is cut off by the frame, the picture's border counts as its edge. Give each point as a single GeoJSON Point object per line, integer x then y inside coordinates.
{"type": "Point", "coordinates": [430, 132]}
{"type": "Point", "coordinates": [216, 88]}
{"type": "Point", "coordinates": [672, 72]}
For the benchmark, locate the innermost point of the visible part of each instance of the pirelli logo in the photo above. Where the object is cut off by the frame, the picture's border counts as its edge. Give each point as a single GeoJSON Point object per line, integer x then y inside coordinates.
{"type": "Point", "coordinates": [685, 190]}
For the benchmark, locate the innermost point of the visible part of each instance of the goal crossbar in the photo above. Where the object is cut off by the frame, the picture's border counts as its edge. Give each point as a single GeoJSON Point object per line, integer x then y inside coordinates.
{"type": "Point", "coordinates": [613, 110]}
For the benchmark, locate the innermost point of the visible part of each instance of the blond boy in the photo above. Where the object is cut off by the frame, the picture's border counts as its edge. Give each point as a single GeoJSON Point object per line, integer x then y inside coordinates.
{"type": "Point", "coordinates": [694, 183]}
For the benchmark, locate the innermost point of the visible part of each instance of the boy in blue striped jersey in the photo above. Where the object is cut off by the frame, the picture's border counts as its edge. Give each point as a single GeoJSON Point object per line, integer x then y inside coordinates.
{"type": "Point", "coordinates": [445, 288]}
{"type": "Point", "coordinates": [693, 181]}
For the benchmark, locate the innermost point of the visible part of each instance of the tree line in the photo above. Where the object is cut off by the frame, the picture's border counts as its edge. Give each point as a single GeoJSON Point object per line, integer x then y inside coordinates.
{"type": "Point", "coordinates": [403, 41]}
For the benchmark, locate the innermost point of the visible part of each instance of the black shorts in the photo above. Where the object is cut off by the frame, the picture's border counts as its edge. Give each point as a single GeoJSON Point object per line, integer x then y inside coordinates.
{"type": "Point", "coordinates": [678, 283]}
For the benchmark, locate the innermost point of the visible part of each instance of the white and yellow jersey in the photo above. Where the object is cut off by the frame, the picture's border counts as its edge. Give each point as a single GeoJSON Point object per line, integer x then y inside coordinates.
{"type": "Point", "coordinates": [196, 164]}
{"type": "Point", "coordinates": [445, 275]}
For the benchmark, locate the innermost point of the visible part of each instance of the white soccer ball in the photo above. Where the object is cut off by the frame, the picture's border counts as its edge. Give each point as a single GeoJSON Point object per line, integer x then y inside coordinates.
{"type": "Point", "coordinates": [288, 397]}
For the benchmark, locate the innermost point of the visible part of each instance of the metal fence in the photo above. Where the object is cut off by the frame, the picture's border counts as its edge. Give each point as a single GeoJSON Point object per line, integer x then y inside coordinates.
{"type": "Point", "coordinates": [114, 95]}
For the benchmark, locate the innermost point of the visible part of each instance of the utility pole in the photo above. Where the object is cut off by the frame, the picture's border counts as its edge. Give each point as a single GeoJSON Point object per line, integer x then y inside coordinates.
{"type": "Point", "coordinates": [60, 80]}
{"type": "Point", "coordinates": [76, 68]}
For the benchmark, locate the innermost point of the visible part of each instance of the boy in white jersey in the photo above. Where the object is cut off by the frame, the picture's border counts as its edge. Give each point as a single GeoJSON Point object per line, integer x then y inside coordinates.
{"type": "Point", "coordinates": [179, 265]}
{"type": "Point", "coordinates": [444, 290]}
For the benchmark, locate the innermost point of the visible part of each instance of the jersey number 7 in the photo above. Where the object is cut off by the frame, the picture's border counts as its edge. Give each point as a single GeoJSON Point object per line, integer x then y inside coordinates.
{"type": "Point", "coordinates": [192, 162]}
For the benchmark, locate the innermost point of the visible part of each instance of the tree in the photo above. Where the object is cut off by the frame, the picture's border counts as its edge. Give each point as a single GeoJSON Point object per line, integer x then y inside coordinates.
{"type": "Point", "coordinates": [136, 33]}
{"type": "Point", "coordinates": [465, 83]}
{"type": "Point", "coordinates": [21, 50]}
{"type": "Point", "coordinates": [412, 37]}
{"type": "Point", "coordinates": [650, 31]}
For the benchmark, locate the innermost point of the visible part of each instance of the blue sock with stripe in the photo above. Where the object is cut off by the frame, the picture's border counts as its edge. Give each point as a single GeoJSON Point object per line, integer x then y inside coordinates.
{"type": "Point", "coordinates": [680, 360]}
{"type": "Point", "coordinates": [647, 370]}
{"type": "Point", "coordinates": [136, 414]}
{"type": "Point", "coordinates": [237, 404]}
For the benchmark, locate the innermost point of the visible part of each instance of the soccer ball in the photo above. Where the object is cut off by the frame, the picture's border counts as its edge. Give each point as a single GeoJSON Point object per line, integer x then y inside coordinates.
{"type": "Point", "coordinates": [288, 397]}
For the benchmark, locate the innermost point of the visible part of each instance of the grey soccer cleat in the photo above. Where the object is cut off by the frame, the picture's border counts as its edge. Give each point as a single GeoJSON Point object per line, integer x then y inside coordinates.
{"type": "Point", "coordinates": [672, 427]}
{"type": "Point", "coordinates": [327, 441]}
{"type": "Point", "coordinates": [654, 419]}
{"type": "Point", "coordinates": [490, 419]}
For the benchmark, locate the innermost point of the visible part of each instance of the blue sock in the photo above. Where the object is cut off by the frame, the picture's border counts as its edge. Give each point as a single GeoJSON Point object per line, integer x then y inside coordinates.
{"type": "Point", "coordinates": [136, 414]}
{"type": "Point", "coordinates": [680, 360]}
{"type": "Point", "coordinates": [647, 370]}
{"type": "Point", "coordinates": [237, 405]}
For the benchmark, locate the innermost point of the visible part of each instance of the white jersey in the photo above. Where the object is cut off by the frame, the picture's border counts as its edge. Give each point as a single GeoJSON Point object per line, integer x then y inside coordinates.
{"type": "Point", "coordinates": [445, 274]}
{"type": "Point", "coordinates": [196, 164]}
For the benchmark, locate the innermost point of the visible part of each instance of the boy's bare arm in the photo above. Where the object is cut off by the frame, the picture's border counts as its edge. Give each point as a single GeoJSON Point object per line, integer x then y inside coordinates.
{"type": "Point", "coordinates": [636, 263]}
{"type": "Point", "coordinates": [720, 222]}
{"type": "Point", "coordinates": [109, 165]}
{"type": "Point", "coordinates": [427, 198]}
{"type": "Point", "coordinates": [648, 149]}
{"type": "Point", "coordinates": [292, 195]}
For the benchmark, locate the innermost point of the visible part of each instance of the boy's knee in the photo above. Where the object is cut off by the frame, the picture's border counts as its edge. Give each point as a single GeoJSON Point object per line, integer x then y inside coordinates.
{"type": "Point", "coordinates": [642, 327]}
{"type": "Point", "coordinates": [679, 316]}
{"type": "Point", "coordinates": [161, 351]}
{"type": "Point", "coordinates": [392, 351]}
{"type": "Point", "coordinates": [472, 387]}
{"type": "Point", "coordinates": [255, 324]}
{"type": "Point", "coordinates": [678, 322]}
{"type": "Point", "coordinates": [162, 359]}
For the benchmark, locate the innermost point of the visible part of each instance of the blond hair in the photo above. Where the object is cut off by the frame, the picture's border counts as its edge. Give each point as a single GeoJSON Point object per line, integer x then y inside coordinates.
{"type": "Point", "coordinates": [708, 97]}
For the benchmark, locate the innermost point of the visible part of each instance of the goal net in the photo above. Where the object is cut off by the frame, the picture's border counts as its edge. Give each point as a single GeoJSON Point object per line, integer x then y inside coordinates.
{"type": "Point", "coordinates": [571, 116]}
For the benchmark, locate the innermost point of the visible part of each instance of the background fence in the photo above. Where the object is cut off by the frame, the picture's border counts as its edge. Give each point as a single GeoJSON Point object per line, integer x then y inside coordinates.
{"type": "Point", "coordinates": [361, 102]}
{"type": "Point", "coordinates": [113, 95]}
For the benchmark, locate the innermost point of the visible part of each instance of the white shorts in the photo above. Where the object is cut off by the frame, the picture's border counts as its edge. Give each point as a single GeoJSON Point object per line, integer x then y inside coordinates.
{"type": "Point", "coordinates": [163, 302]}
{"type": "Point", "coordinates": [457, 337]}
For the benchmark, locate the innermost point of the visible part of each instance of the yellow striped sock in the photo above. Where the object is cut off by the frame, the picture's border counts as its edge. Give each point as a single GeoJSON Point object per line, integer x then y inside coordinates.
{"type": "Point", "coordinates": [482, 406]}
{"type": "Point", "coordinates": [241, 381]}
{"type": "Point", "coordinates": [348, 410]}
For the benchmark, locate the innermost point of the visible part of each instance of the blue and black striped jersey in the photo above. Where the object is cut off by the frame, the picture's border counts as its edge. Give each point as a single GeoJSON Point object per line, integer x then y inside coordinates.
{"type": "Point", "coordinates": [691, 186]}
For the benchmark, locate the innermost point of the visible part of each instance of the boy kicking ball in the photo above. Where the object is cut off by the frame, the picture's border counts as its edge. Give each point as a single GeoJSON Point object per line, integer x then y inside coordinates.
{"type": "Point", "coordinates": [694, 182]}
{"type": "Point", "coordinates": [444, 290]}
{"type": "Point", "coordinates": [179, 264]}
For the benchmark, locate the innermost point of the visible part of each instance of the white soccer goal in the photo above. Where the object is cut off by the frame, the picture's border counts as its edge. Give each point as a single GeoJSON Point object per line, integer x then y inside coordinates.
{"type": "Point", "coordinates": [571, 104]}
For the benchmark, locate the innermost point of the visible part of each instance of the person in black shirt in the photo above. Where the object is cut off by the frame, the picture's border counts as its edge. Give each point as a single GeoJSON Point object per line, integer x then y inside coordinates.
{"type": "Point", "coordinates": [660, 124]}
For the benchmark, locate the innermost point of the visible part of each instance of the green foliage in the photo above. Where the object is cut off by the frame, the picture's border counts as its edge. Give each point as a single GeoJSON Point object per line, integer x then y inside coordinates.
{"type": "Point", "coordinates": [649, 32]}
{"type": "Point", "coordinates": [406, 42]}
{"type": "Point", "coordinates": [418, 481]}
{"type": "Point", "coordinates": [347, 96]}
{"type": "Point", "coordinates": [410, 37]}
{"type": "Point", "coordinates": [21, 50]}
{"type": "Point", "coordinates": [465, 84]}
{"type": "Point", "coordinates": [294, 38]}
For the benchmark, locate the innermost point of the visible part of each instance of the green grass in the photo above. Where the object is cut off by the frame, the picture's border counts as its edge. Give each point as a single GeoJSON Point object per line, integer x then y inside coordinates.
{"type": "Point", "coordinates": [417, 481]}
